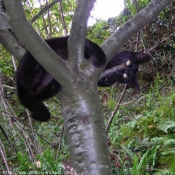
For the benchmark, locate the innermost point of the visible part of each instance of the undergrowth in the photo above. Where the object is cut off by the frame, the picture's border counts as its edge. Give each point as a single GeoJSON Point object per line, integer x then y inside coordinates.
{"type": "Point", "coordinates": [142, 139]}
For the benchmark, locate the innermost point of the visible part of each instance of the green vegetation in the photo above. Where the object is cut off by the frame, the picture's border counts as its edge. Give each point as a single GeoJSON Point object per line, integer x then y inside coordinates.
{"type": "Point", "coordinates": [142, 134]}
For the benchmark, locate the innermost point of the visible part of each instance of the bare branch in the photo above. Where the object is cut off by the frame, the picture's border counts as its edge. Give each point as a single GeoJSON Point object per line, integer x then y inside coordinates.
{"type": "Point", "coordinates": [132, 26]}
{"type": "Point", "coordinates": [4, 159]}
{"type": "Point", "coordinates": [7, 37]}
{"type": "Point", "coordinates": [112, 70]}
{"type": "Point", "coordinates": [116, 108]}
{"type": "Point", "coordinates": [129, 28]}
{"type": "Point", "coordinates": [157, 44]}
{"type": "Point", "coordinates": [13, 46]}
{"type": "Point", "coordinates": [8, 139]}
{"type": "Point", "coordinates": [44, 10]}
{"type": "Point", "coordinates": [78, 31]}
{"type": "Point", "coordinates": [35, 141]}
{"type": "Point", "coordinates": [37, 47]}
{"type": "Point", "coordinates": [63, 20]}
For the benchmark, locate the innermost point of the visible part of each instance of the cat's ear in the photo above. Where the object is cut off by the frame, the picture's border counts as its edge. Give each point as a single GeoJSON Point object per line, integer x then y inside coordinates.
{"type": "Point", "coordinates": [135, 84]}
{"type": "Point", "coordinates": [141, 57]}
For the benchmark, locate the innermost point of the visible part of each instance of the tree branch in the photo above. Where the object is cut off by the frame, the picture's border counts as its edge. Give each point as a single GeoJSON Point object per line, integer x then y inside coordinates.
{"type": "Point", "coordinates": [116, 108]}
{"type": "Point", "coordinates": [44, 10]}
{"type": "Point", "coordinates": [63, 20]}
{"type": "Point", "coordinates": [112, 70]}
{"type": "Point", "coordinates": [37, 47]}
{"type": "Point", "coordinates": [10, 43]}
{"type": "Point", "coordinates": [2, 152]}
{"type": "Point", "coordinates": [7, 37]}
{"type": "Point", "coordinates": [8, 139]}
{"type": "Point", "coordinates": [78, 31]}
{"type": "Point", "coordinates": [132, 26]}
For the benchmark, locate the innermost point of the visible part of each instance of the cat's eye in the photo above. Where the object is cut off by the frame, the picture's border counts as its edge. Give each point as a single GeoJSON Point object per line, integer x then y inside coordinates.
{"type": "Point", "coordinates": [125, 75]}
{"type": "Point", "coordinates": [128, 62]}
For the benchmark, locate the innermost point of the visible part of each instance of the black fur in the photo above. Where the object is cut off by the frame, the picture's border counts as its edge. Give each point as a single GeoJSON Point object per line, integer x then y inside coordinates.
{"type": "Point", "coordinates": [128, 75]}
{"type": "Point", "coordinates": [35, 84]}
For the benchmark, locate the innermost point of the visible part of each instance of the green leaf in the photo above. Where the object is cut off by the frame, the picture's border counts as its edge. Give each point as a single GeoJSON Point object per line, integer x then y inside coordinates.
{"type": "Point", "coordinates": [170, 142]}
{"type": "Point", "coordinates": [166, 125]}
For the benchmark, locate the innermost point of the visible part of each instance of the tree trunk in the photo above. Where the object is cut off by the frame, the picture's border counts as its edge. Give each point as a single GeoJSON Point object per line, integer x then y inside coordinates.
{"type": "Point", "coordinates": [81, 108]}
{"type": "Point", "coordinates": [85, 130]}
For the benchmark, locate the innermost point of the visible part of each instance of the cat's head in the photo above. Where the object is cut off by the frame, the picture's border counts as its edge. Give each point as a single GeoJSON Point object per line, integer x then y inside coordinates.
{"type": "Point", "coordinates": [128, 75]}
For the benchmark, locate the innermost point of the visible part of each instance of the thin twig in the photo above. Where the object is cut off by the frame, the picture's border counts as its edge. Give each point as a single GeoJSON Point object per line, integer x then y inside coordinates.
{"type": "Point", "coordinates": [131, 100]}
{"type": "Point", "coordinates": [14, 64]}
{"type": "Point", "coordinates": [53, 146]}
{"type": "Point", "coordinates": [8, 139]}
{"type": "Point", "coordinates": [61, 138]}
{"type": "Point", "coordinates": [159, 43]}
{"type": "Point", "coordinates": [63, 20]}
{"type": "Point", "coordinates": [4, 159]}
{"type": "Point", "coordinates": [33, 133]}
{"type": "Point", "coordinates": [8, 87]}
{"type": "Point", "coordinates": [116, 108]}
{"type": "Point", "coordinates": [112, 70]}
{"type": "Point", "coordinates": [43, 10]}
{"type": "Point", "coordinates": [49, 35]}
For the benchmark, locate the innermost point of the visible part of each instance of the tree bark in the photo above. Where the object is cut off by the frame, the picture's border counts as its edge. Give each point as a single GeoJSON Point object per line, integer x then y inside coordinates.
{"type": "Point", "coordinates": [81, 108]}
{"type": "Point", "coordinates": [85, 130]}
{"type": "Point", "coordinates": [7, 38]}
{"type": "Point", "coordinates": [132, 26]}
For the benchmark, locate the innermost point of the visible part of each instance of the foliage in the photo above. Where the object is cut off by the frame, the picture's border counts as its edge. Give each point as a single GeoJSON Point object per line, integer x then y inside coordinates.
{"type": "Point", "coordinates": [45, 163]}
{"type": "Point", "coordinates": [146, 163]}
{"type": "Point", "coordinates": [141, 136]}
{"type": "Point", "coordinates": [147, 136]}
{"type": "Point", "coordinates": [51, 16]}
{"type": "Point", "coordinates": [6, 66]}
{"type": "Point", "coordinates": [93, 31]}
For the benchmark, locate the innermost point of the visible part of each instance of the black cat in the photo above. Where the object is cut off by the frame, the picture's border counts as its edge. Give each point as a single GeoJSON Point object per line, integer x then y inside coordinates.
{"type": "Point", "coordinates": [127, 75]}
{"type": "Point", "coordinates": [35, 84]}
